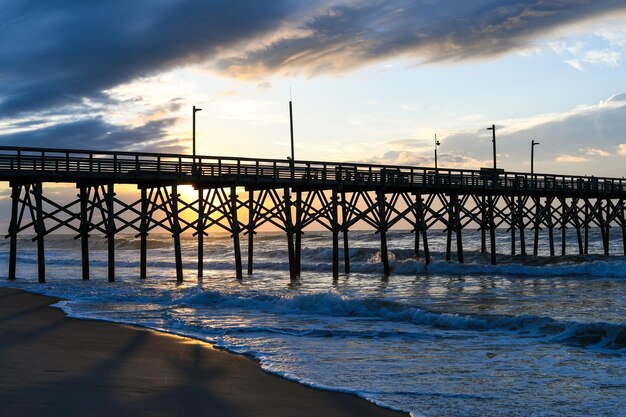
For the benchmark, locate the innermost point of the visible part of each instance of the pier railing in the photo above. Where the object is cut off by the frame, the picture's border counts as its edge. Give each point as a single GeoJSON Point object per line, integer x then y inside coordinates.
{"type": "Point", "coordinates": [292, 195]}
{"type": "Point", "coordinates": [130, 167]}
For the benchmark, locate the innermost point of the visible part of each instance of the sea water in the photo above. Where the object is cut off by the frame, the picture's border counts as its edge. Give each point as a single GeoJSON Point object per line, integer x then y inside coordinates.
{"type": "Point", "coordinates": [531, 336]}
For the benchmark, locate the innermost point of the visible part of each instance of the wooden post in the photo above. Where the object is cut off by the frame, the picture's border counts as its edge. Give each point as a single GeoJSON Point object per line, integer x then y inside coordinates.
{"type": "Point", "coordinates": [143, 235]}
{"type": "Point", "coordinates": [289, 229]}
{"type": "Point", "coordinates": [537, 202]}
{"type": "Point", "coordinates": [110, 229]}
{"type": "Point", "coordinates": [418, 228]}
{"type": "Point", "coordinates": [604, 226]}
{"type": "Point", "coordinates": [40, 230]}
{"type": "Point", "coordinates": [84, 229]}
{"type": "Point", "coordinates": [176, 234]}
{"type": "Point", "coordinates": [563, 226]}
{"type": "Point", "coordinates": [458, 227]}
{"type": "Point", "coordinates": [520, 219]}
{"type": "Point", "coordinates": [483, 227]}
{"type": "Point", "coordinates": [298, 227]}
{"type": "Point", "coordinates": [586, 227]}
{"type": "Point", "coordinates": [346, 246]}
{"type": "Point", "coordinates": [384, 255]}
{"type": "Point", "coordinates": [16, 190]}
{"type": "Point", "coordinates": [581, 250]}
{"type": "Point", "coordinates": [492, 230]}
{"type": "Point", "coordinates": [235, 228]}
{"type": "Point", "coordinates": [451, 211]}
{"type": "Point", "coordinates": [335, 230]}
{"type": "Point", "coordinates": [200, 232]}
{"type": "Point", "coordinates": [550, 220]}
{"type": "Point", "coordinates": [251, 219]}
{"type": "Point", "coordinates": [622, 224]}
{"type": "Point", "coordinates": [513, 214]}
{"type": "Point", "coordinates": [422, 222]}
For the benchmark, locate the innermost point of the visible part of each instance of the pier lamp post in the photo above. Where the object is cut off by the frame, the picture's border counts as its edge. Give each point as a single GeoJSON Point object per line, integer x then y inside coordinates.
{"type": "Point", "coordinates": [291, 128]}
{"type": "Point", "coordinates": [532, 156]}
{"type": "Point", "coordinates": [195, 110]}
{"type": "Point", "coordinates": [437, 143]}
{"type": "Point", "coordinates": [493, 132]}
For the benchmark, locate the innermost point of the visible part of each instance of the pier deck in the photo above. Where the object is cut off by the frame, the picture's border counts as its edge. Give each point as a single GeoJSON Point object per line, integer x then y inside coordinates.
{"type": "Point", "coordinates": [293, 195]}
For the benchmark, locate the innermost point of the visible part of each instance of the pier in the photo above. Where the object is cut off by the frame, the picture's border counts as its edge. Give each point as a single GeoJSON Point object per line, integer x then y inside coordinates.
{"type": "Point", "coordinates": [293, 195]}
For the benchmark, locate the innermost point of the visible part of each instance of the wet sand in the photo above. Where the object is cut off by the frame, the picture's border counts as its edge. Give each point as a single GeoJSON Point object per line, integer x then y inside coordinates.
{"type": "Point", "coordinates": [52, 365]}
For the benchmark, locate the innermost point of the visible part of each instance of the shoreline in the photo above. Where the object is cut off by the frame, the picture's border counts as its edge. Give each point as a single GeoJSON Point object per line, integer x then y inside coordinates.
{"type": "Point", "coordinates": [52, 362]}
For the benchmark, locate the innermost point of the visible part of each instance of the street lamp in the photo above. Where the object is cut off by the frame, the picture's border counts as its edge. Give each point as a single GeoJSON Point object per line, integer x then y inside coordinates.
{"type": "Point", "coordinates": [532, 156]}
{"type": "Point", "coordinates": [291, 127]}
{"type": "Point", "coordinates": [195, 109]}
{"type": "Point", "coordinates": [493, 131]}
{"type": "Point", "coordinates": [437, 143]}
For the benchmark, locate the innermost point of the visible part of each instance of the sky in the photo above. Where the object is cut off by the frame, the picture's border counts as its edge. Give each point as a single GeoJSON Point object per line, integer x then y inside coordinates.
{"type": "Point", "coordinates": [371, 81]}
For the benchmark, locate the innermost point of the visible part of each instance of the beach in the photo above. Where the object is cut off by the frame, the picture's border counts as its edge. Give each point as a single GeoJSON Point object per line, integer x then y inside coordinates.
{"type": "Point", "coordinates": [54, 365]}
{"type": "Point", "coordinates": [532, 336]}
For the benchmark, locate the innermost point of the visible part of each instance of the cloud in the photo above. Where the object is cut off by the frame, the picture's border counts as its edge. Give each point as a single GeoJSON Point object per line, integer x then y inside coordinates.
{"type": "Point", "coordinates": [55, 52]}
{"type": "Point", "coordinates": [97, 134]}
{"type": "Point", "coordinates": [564, 138]}
{"type": "Point", "coordinates": [59, 52]}
{"type": "Point", "coordinates": [355, 33]}
{"type": "Point", "coordinates": [595, 152]}
{"type": "Point", "coordinates": [570, 158]}
{"type": "Point", "coordinates": [605, 57]}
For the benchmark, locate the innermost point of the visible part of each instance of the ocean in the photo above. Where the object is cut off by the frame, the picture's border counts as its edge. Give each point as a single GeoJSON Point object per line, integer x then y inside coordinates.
{"type": "Point", "coordinates": [533, 336]}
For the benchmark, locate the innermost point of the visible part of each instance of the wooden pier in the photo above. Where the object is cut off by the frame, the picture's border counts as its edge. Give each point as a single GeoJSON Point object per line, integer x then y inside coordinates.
{"type": "Point", "coordinates": [293, 195]}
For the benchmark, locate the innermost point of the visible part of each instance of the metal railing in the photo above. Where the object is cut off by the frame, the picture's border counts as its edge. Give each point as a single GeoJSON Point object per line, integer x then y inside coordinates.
{"type": "Point", "coordinates": [68, 164]}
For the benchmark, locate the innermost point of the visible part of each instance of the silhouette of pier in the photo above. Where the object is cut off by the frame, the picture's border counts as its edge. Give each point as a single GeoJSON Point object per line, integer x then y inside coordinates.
{"type": "Point", "coordinates": [292, 196]}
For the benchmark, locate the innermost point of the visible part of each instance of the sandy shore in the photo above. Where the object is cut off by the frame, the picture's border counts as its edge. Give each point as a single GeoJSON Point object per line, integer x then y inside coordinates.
{"type": "Point", "coordinates": [54, 365]}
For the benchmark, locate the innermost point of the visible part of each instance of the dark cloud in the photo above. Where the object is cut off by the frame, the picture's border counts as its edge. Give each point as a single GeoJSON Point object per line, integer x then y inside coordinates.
{"type": "Point", "coordinates": [96, 134]}
{"type": "Point", "coordinates": [348, 36]}
{"type": "Point", "coordinates": [54, 52]}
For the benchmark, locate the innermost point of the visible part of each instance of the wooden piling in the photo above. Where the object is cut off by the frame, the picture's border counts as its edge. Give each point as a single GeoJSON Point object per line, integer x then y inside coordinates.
{"type": "Point", "coordinates": [563, 225]}
{"type": "Point", "coordinates": [622, 224]}
{"type": "Point", "coordinates": [458, 227]}
{"type": "Point", "coordinates": [84, 229]}
{"type": "Point", "coordinates": [483, 226]}
{"type": "Point", "coordinates": [110, 229]}
{"type": "Point", "coordinates": [587, 220]}
{"type": "Point", "coordinates": [513, 215]}
{"type": "Point", "coordinates": [40, 230]}
{"type": "Point", "coordinates": [382, 215]}
{"type": "Point", "coordinates": [537, 221]}
{"type": "Point", "coordinates": [346, 246]}
{"type": "Point", "coordinates": [450, 210]}
{"type": "Point", "coordinates": [550, 222]}
{"type": "Point", "coordinates": [293, 275]}
{"type": "Point", "coordinates": [298, 233]}
{"type": "Point", "coordinates": [200, 232]}
{"type": "Point", "coordinates": [581, 250]}
{"type": "Point", "coordinates": [604, 227]}
{"type": "Point", "coordinates": [176, 234]}
{"type": "Point", "coordinates": [335, 230]}
{"type": "Point", "coordinates": [251, 224]}
{"type": "Point", "coordinates": [16, 191]}
{"type": "Point", "coordinates": [143, 235]}
{"type": "Point", "coordinates": [235, 227]}
{"type": "Point", "coordinates": [492, 229]}
{"type": "Point", "coordinates": [521, 224]}
{"type": "Point", "coordinates": [420, 222]}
